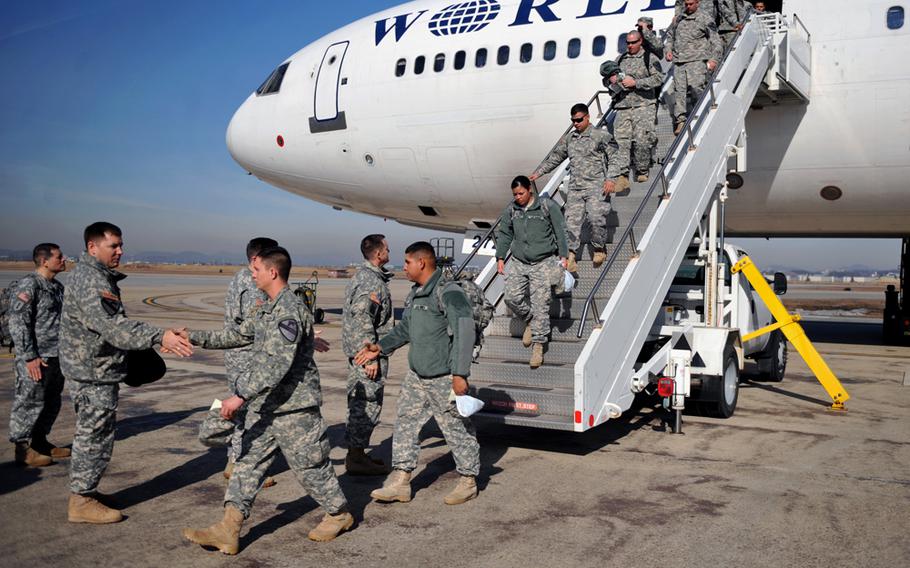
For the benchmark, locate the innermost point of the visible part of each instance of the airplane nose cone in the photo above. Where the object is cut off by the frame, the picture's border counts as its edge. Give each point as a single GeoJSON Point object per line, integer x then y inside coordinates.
{"type": "Point", "coordinates": [237, 138]}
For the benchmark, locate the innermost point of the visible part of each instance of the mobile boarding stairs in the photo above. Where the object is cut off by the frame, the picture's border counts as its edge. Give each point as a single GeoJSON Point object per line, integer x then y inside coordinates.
{"type": "Point", "coordinates": [605, 345]}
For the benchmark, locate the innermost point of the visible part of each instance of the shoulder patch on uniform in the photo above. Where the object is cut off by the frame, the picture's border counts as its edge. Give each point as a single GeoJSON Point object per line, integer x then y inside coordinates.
{"type": "Point", "coordinates": [289, 329]}
{"type": "Point", "coordinates": [24, 298]}
{"type": "Point", "coordinates": [110, 302]}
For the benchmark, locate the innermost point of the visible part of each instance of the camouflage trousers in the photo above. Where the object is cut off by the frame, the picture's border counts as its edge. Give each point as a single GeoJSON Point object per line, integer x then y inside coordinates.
{"type": "Point", "coordinates": [529, 291]}
{"type": "Point", "coordinates": [301, 438]}
{"type": "Point", "coordinates": [726, 37]}
{"type": "Point", "coordinates": [93, 440]}
{"type": "Point", "coordinates": [689, 81]}
{"type": "Point", "coordinates": [636, 135]}
{"type": "Point", "coordinates": [590, 204]}
{"type": "Point", "coordinates": [236, 364]}
{"type": "Point", "coordinates": [364, 403]}
{"type": "Point", "coordinates": [35, 405]}
{"type": "Point", "coordinates": [419, 400]}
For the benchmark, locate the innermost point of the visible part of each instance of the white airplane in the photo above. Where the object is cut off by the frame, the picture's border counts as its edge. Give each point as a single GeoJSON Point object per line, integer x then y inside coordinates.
{"type": "Point", "coordinates": [423, 113]}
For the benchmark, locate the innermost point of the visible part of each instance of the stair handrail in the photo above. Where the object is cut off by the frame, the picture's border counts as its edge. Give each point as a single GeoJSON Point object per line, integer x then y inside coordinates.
{"type": "Point", "coordinates": [692, 125]}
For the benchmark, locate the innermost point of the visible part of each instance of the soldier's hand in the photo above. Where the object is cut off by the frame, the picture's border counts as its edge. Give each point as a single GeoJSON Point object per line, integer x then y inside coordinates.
{"type": "Point", "coordinates": [533, 177]}
{"type": "Point", "coordinates": [459, 385]}
{"type": "Point", "coordinates": [230, 406]}
{"type": "Point", "coordinates": [613, 79]}
{"type": "Point", "coordinates": [370, 352]}
{"type": "Point", "coordinates": [320, 344]}
{"type": "Point", "coordinates": [712, 65]}
{"type": "Point", "coordinates": [609, 187]}
{"type": "Point", "coordinates": [501, 266]}
{"type": "Point", "coordinates": [669, 55]}
{"type": "Point", "coordinates": [176, 344]}
{"type": "Point", "coordinates": [564, 262]}
{"type": "Point", "coordinates": [181, 332]}
{"type": "Point", "coordinates": [34, 369]}
{"type": "Point", "coordinates": [628, 82]}
{"type": "Point", "coordinates": [371, 370]}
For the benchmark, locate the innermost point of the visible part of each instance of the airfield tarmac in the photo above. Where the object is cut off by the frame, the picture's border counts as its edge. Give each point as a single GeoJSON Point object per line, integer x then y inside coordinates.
{"type": "Point", "coordinates": [782, 483]}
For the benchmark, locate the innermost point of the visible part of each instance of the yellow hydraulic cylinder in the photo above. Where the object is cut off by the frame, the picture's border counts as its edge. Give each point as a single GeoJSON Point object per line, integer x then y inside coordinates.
{"type": "Point", "coordinates": [787, 323]}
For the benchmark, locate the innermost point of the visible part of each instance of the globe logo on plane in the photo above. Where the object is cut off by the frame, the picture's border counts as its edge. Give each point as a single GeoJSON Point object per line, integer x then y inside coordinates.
{"type": "Point", "coordinates": [464, 17]}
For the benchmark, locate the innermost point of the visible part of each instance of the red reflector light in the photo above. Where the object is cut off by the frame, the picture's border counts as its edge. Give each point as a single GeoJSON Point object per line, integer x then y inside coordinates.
{"type": "Point", "coordinates": [280, 141]}
{"type": "Point", "coordinates": [665, 387]}
{"type": "Point", "coordinates": [578, 416]}
{"type": "Point", "coordinates": [591, 421]}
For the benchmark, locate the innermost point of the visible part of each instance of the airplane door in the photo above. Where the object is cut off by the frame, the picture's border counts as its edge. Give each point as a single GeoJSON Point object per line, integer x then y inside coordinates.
{"type": "Point", "coordinates": [326, 115]}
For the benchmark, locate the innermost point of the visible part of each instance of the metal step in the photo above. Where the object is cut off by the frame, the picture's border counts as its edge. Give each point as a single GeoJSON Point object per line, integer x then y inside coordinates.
{"type": "Point", "coordinates": [546, 421]}
{"type": "Point", "coordinates": [508, 326]}
{"type": "Point", "coordinates": [511, 349]}
{"type": "Point", "coordinates": [548, 376]}
{"type": "Point", "coordinates": [500, 398]}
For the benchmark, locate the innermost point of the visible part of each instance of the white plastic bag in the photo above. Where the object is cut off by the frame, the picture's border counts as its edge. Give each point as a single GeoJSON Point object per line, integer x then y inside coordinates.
{"type": "Point", "coordinates": [467, 405]}
{"type": "Point", "coordinates": [568, 281]}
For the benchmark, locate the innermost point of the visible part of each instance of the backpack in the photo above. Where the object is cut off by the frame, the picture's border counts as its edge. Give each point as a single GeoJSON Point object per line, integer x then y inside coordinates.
{"type": "Point", "coordinates": [544, 205]}
{"type": "Point", "coordinates": [6, 298]}
{"type": "Point", "coordinates": [481, 308]}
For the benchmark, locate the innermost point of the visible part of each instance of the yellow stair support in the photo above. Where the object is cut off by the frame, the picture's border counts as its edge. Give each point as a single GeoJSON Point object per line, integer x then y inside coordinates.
{"type": "Point", "coordinates": [787, 323]}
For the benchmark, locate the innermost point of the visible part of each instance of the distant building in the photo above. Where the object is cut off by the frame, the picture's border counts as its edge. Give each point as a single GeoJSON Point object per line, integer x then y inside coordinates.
{"type": "Point", "coordinates": [339, 273]}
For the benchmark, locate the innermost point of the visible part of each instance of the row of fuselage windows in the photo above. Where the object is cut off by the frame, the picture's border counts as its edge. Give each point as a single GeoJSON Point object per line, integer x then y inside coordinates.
{"type": "Point", "coordinates": [502, 56]}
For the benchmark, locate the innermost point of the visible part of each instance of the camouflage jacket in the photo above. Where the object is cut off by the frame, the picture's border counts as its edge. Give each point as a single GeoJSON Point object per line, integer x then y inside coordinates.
{"type": "Point", "coordinates": [242, 300]}
{"type": "Point", "coordinates": [652, 42]}
{"type": "Point", "coordinates": [434, 350]}
{"type": "Point", "coordinates": [647, 81]}
{"type": "Point", "coordinates": [694, 38]}
{"type": "Point", "coordinates": [34, 317]}
{"type": "Point", "coordinates": [589, 155]}
{"type": "Point", "coordinates": [95, 333]}
{"type": "Point", "coordinates": [707, 7]}
{"type": "Point", "coordinates": [367, 308]}
{"type": "Point", "coordinates": [730, 14]}
{"type": "Point", "coordinates": [282, 376]}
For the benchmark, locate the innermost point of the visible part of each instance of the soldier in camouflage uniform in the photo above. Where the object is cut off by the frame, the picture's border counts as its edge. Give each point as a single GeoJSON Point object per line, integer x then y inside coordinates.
{"type": "Point", "coordinates": [240, 303]}
{"type": "Point", "coordinates": [593, 177]}
{"type": "Point", "coordinates": [441, 333]}
{"type": "Point", "coordinates": [95, 336]}
{"type": "Point", "coordinates": [533, 228]}
{"type": "Point", "coordinates": [34, 326]}
{"type": "Point", "coordinates": [636, 106]}
{"type": "Point", "coordinates": [730, 16]}
{"type": "Point", "coordinates": [367, 316]}
{"type": "Point", "coordinates": [708, 7]}
{"type": "Point", "coordinates": [695, 50]}
{"type": "Point", "coordinates": [281, 394]}
{"type": "Point", "coordinates": [651, 41]}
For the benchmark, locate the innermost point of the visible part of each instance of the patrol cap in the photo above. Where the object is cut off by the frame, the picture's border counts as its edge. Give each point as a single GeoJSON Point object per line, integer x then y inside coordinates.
{"type": "Point", "coordinates": [608, 68]}
{"type": "Point", "coordinates": [144, 367]}
{"type": "Point", "coordinates": [647, 20]}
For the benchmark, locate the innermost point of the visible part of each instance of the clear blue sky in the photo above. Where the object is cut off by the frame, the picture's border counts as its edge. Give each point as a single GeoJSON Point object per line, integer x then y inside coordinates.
{"type": "Point", "coordinates": [117, 110]}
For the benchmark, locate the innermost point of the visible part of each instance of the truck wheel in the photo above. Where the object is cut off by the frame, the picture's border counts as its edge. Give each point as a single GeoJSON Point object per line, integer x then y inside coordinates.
{"type": "Point", "coordinates": [319, 315]}
{"type": "Point", "coordinates": [724, 390]}
{"type": "Point", "coordinates": [773, 366]}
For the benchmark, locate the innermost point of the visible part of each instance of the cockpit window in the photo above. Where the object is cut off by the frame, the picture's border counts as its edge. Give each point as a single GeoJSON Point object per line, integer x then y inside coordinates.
{"type": "Point", "coordinates": [273, 83]}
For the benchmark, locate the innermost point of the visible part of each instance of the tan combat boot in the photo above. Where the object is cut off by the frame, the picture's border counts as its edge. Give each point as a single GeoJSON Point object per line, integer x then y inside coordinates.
{"type": "Point", "coordinates": [536, 355]}
{"type": "Point", "coordinates": [571, 265]}
{"type": "Point", "coordinates": [397, 488]}
{"type": "Point", "coordinates": [465, 490]}
{"type": "Point", "coordinates": [622, 183]}
{"type": "Point", "coordinates": [41, 445]}
{"type": "Point", "coordinates": [528, 335]}
{"type": "Point", "coordinates": [331, 526]}
{"type": "Point", "coordinates": [641, 178]}
{"type": "Point", "coordinates": [27, 456]}
{"type": "Point", "coordinates": [357, 462]}
{"type": "Point", "coordinates": [600, 256]}
{"type": "Point", "coordinates": [87, 509]}
{"type": "Point", "coordinates": [679, 127]}
{"type": "Point", "coordinates": [225, 536]}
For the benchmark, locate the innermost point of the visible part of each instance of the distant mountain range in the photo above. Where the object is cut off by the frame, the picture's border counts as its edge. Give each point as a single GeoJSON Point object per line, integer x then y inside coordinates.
{"type": "Point", "coordinates": [184, 257]}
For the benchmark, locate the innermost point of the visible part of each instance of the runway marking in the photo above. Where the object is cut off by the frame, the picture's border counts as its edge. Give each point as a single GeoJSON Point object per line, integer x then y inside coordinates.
{"type": "Point", "coordinates": [153, 301]}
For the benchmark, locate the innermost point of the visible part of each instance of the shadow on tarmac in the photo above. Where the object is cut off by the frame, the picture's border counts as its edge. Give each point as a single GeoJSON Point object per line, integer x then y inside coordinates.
{"type": "Point", "coordinates": [748, 384]}
{"type": "Point", "coordinates": [850, 333]}
{"type": "Point", "coordinates": [15, 477]}
{"type": "Point", "coordinates": [135, 425]}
